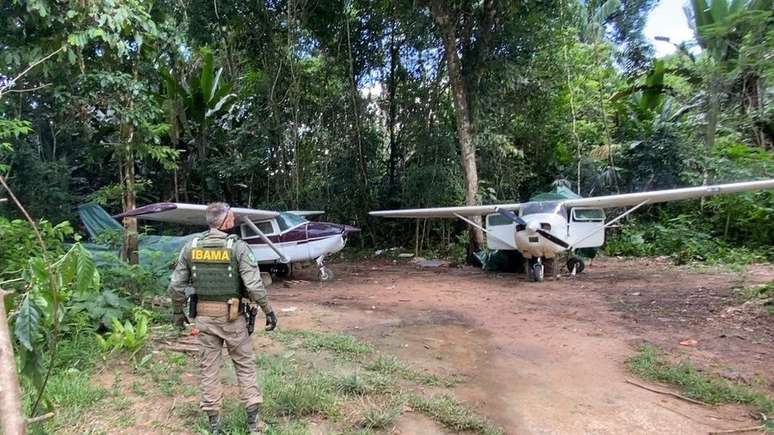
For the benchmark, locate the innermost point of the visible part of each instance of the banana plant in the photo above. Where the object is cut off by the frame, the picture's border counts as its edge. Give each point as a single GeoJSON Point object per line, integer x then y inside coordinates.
{"type": "Point", "coordinates": [193, 103]}
{"type": "Point", "coordinates": [718, 24]}
{"type": "Point", "coordinates": [592, 29]}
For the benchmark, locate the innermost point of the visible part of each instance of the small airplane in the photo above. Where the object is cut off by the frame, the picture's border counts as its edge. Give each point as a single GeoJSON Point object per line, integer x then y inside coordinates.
{"type": "Point", "coordinates": [278, 239]}
{"type": "Point", "coordinates": [542, 230]}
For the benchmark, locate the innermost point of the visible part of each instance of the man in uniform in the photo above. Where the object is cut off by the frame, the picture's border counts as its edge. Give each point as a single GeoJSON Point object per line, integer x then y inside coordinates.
{"type": "Point", "coordinates": [222, 269]}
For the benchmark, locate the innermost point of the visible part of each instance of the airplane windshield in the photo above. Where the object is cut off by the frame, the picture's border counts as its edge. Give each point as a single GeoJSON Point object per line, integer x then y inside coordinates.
{"type": "Point", "coordinates": [548, 207]}
{"type": "Point", "coordinates": [289, 220]}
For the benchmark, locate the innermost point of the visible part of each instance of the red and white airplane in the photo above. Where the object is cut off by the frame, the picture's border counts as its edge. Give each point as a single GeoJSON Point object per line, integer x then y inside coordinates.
{"type": "Point", "coordinates": [546, 229]}
{"type": "Point", "coordinates": [277, 238]}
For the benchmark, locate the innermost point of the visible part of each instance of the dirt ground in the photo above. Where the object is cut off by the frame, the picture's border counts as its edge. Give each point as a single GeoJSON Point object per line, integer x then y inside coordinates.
{"type": "Point", "coordinates": [535, 358]}
{"type": "Point", "coordinates": [549, 358]}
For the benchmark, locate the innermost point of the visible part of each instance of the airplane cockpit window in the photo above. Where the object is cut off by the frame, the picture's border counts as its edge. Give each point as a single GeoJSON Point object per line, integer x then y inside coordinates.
{"type": "Point", "coordinates": [548, 207]}
{"type": "Point", "coordinates": [265, 226]}
{"type": "Point", "coordinates": [496, 219]}
{"type": "Point", "coordinates": [289, 220]}
{"type": "Point", "coordinates": [588, 215]}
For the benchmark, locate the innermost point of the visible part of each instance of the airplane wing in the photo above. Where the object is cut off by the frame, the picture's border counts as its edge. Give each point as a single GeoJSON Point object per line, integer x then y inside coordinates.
{"type": "Point", "coordinates": [444, 212]}
{"type": "Point", "coordinates": [307, 212]}
{"type": "Point", "coordinates": [188, 214]}
{"type": "Point", "coordinates": [631, 199]}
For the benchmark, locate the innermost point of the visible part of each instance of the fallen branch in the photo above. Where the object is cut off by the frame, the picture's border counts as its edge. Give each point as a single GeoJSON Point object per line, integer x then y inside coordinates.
{"type": "Point", "coordinates": [40, 418]}
{"type": "Point", "coordinates": [171, 409]}
{"type": "Point", "coordinates": [183, 349]}
{"type": "Point", "coordinates": [679, 413]}
{"type": "Point", "coordinates": [742, 430]}
{"type": "Point", "coordinates": [668, 393]}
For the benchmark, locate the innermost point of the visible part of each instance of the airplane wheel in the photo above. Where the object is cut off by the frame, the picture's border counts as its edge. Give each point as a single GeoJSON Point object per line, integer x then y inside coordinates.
{"type": "Point", "coordinates": [325, 274]}
{"type": "Point", "coordinates": [538, 271]}
{"type": "Point", "coordinates": [575, 262]}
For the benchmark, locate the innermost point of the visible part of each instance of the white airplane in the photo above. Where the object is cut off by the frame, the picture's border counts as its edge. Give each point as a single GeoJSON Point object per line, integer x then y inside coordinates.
{"type": "Point", "coordinates": [278, 239]}
{"type": "Point", "coordinates": [543, 230]}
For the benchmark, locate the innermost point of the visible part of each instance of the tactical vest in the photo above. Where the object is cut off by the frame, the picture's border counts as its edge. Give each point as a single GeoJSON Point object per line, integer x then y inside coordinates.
{"type": "Point", "coordinates": [214, 268]}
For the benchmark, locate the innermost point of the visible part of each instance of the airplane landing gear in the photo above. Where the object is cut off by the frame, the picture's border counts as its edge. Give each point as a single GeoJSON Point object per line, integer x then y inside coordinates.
{"type": "Point", "coordinates": [575, 265]}
{"type": "Point", "coordinates": [324, 273]}
{"type": "Point", "coordinates": [537, 270]}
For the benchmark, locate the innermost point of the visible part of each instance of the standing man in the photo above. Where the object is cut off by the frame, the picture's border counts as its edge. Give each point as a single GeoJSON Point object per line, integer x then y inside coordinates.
{"type": "Point", "coordinates": [222, 269]}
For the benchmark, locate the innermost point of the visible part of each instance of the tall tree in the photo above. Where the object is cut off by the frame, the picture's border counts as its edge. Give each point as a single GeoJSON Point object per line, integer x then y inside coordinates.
{"type": "Point", "coordinates": [447, 20]}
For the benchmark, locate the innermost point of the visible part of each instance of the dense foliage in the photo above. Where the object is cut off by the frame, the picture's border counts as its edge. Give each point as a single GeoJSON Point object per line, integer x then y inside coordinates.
{"type": "Point", "coordinates": [354, 105]}
{"type": "Point", "coordinates": [350, 106]}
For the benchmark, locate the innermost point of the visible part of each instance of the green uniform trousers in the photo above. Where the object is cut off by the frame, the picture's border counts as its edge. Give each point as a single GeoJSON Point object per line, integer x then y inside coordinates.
{"type": "Point", "coordinates": [213, 333]}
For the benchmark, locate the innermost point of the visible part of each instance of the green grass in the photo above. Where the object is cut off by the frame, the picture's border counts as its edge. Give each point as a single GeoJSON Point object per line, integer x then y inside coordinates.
{"type": "Point", "coordinates": [72, 395]}
{"type": "Point", "coordinates": [650, 364]}
{"type": "Point", "coordinates": [292, 390]}
{"type": "Point", "coordinates": [377, 417]}
{"type": "Point", "coordinates": [299, 385]}
{"type": "Point", "coordinates": [300, 396]}
{"type": "Point", "coordinates": [390, 365]}
{"type": "Point", "coordinates": [292, 428]}
{"type": "Point", "coordinates": [763, 292]}
{"type": "Point", "coordinates": [341, 345]}
{"type": "Point", "coordinates": [359, 384]}
{"type": "Point", "coordinates": [165, 371]}
{"type": "Point", "coordinates": [233, 418]}
{"type": "Point", "coordinates": [77, 351]}
{"type": "Point", "coordinates": [448, 411]}
{"type": "Point", "coordinates": [234, 421]}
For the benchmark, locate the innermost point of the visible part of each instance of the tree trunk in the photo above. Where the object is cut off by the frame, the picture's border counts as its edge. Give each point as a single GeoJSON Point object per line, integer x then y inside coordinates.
{"type": "Point", "coordinates": [447, 27]}
{"type": "Point", "coordinates": [712, 112]}
{"type": "Point", "coordinates": [713, 108]}
{"type": "Point", "coordinates": [12, 420]}
{"type": "Point", "coordinates": [358, 137]}
{"type": "Point", "coordinates": [391, 87]}
{"type": "Point", "coordinates": [128, 192]}
{"type": "Point", "coordinates": [129, 202]}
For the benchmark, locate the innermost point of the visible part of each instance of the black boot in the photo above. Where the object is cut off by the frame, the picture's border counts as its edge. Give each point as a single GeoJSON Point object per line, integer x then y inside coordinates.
{"type": "Point", "coordinates": [214, 424]}
{"type": "Point", "coordinates": [254, 423]}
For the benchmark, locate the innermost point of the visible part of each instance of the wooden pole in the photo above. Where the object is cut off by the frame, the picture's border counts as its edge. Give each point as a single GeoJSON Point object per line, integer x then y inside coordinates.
{"type": "Point", "coordinates": [12, 420]}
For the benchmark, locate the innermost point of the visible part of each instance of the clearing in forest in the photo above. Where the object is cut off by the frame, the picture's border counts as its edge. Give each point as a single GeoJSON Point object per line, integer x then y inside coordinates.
{"type": "Point", "coordinates": [389, 348]}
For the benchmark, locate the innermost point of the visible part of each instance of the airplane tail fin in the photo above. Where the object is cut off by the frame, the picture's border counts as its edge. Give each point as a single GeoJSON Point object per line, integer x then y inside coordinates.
{"type": "Point", "coordinates": [97, 220]}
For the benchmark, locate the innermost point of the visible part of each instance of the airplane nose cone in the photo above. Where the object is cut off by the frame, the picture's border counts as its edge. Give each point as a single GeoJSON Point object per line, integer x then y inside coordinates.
{"type": "Point", "coordinates": [533, 226]}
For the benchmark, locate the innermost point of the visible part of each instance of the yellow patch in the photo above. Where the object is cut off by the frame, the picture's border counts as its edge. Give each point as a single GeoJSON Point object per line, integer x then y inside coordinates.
{"type": "Point", "coordinates": [211, 255]}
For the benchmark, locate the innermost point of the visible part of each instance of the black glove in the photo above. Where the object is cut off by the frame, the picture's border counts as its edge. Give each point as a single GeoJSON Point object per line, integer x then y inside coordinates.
{"type": "Point", "coordinates": [271, 321]}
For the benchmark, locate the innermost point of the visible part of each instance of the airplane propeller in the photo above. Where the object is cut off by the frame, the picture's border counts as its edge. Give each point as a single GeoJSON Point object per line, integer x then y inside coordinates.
{"type": "Point", "coordinates": [521, 224]}
{"type": "Point", "coordinates": [513, 217]}
{"type": "Point", "coordinates": [553, 238]}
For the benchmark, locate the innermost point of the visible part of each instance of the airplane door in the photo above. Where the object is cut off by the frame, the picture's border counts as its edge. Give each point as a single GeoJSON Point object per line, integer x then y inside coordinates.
{"type": "Point", "coordinates": [263, 253]}
{"type": "Point", "coordinates": [584, 222]}
{"type": "Point", "coordinates": [501, 232]}
{"type": "Point", "coordinates": [295, 242]}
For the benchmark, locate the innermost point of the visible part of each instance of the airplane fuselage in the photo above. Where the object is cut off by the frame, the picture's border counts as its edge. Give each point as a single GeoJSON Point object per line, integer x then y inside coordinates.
{"type": "Point", "coordinates": [304, 242]}
{"type": "Point", "coordinates": [580, 227]}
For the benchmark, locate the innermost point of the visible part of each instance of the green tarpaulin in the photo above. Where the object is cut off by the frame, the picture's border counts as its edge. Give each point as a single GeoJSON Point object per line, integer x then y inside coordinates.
{"type": "Point", "coordinates": [558, 194]}
{"type": "Point", "coordinates": [106, 236]}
